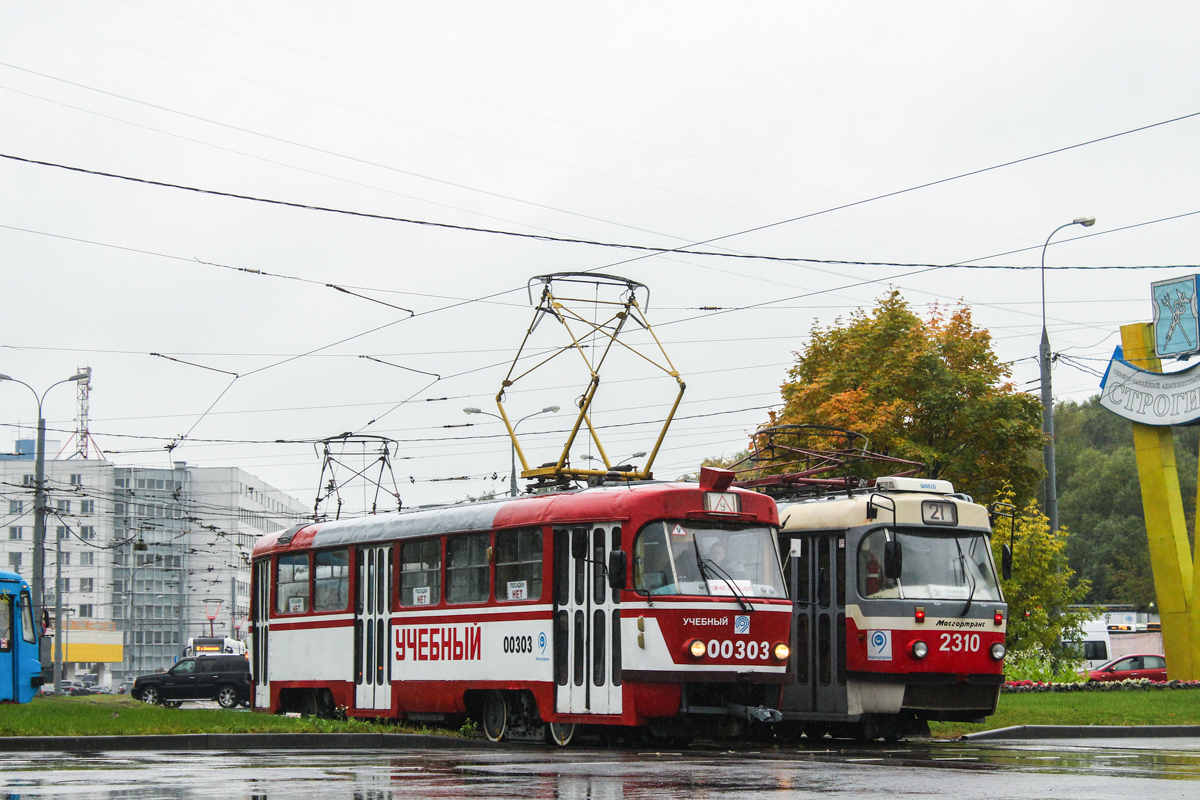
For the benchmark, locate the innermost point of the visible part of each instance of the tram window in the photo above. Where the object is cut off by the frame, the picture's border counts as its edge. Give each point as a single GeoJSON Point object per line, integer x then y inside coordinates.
{"type": "Point", "coordinates": [599, 584]}
{"type": "Point", "coordinates": [291, 584]}
{"type": "Point", "coordinates": [332, 580]}
{"type": "Point", "coordinates": [467, 568]}
{"type": "Point", "coordinates": [871, 580]}
{"type": "Point", "coordinates": [823, 572]}
{"type": "Point", "coordinates": [616, 545]}
{"type": "Point", "coordinates": [598, 641]}
{"type": "Point", "coordinates": [421, 573]}
{"type": "Point", "coordinates": [579, 549]}
{"type": "Point", "coordinates": [577, 651]}
{"type": "Point", "coordinates": [5, 622]}
{"type": "Point", "coordinates": [652, 571]}
{"type": "Point", "coordinates": [616, 647]}
{"type": "Point", "coordinates": [519, 565]}
{"type": "Point", "coordinates": [840, 572]}
{"type": "Point", "coordinates": [27, 618]}
{"type": "Point", "coordinates": [562, 567]}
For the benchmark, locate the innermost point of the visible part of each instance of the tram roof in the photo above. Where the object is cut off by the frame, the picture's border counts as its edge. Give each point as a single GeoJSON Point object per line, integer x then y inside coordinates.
{"type": "Point", "coordinates": [595, 504]}
{"type": "Point", "coordinates": [896, 508]}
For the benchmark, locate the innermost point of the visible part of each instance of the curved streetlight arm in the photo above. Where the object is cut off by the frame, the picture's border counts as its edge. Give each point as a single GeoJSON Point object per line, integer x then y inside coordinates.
{"type": "Point", "coordinates": [512, 477]}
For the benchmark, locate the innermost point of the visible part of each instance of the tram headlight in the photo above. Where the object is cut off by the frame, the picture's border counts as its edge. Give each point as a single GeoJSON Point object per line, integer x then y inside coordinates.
{"type": "Point", "coordinates": [697, 648]}
{"type": "Point", "coordinates": [782, 651]}
{"type": "Point", "coordinates": [998, 651]}
{"type": "Point", "coordinates": [919, 649]}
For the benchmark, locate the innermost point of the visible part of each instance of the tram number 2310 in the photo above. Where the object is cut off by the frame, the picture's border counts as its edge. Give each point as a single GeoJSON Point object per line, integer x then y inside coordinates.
{"type": "Point", "coordinates": [960, 642]}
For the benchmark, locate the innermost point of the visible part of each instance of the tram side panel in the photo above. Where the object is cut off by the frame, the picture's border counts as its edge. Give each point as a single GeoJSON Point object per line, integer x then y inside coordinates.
{"type": "Point", "coordinates": [422, 624]}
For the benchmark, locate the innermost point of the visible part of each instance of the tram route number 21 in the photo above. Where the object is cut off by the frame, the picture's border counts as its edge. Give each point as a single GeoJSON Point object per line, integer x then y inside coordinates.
{"type": "Point", "coordinates": [960, 642]}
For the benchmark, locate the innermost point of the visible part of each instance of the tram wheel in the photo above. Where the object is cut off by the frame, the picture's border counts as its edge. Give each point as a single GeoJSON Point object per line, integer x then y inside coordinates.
{"type": "Point", "coordinates": [560, 733]}
{"type": "Point", "coordinates": [495, 716]}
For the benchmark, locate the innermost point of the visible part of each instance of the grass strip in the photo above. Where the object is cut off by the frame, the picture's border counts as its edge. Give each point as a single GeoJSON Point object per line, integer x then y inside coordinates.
{"type": "Point", "coordinates": [101, 715]}
{"type": "Point", "coordinates": [1133, 707]}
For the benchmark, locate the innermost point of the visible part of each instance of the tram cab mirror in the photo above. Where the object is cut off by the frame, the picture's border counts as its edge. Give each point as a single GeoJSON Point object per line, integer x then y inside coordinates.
{"type": "Point", "coordinates": [893, 560]}
{"type": "Point", "coordinates": [617, 566]}
{"type": "Point", "coordinates": [1006, 562]}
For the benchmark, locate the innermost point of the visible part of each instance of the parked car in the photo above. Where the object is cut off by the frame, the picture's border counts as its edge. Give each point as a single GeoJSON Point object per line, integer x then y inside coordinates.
{"type": "Point", "coordinates": [1138, 666]}
{"type": "Point", "coordinates": [225, 679]}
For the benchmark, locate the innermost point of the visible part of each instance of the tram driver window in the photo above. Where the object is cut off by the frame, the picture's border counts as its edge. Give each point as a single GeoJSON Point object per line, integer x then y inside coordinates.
{"type": "Point", "coordinates": [421, 573]}
{"type": "Point", "coordinates": [652, 570]}
{"type": "Point", "coordinates": [467, 568]}
{"type": "Point", "coordinates": [871, 580]}
{"type": "Point", "coordinates": [27, 618]}
{"type": "Point", "coordinates": [519, 565]}
{"type": "Point", "coordinates": [332, 580]}
{"type": "Point", "coordinates": [291, 584]}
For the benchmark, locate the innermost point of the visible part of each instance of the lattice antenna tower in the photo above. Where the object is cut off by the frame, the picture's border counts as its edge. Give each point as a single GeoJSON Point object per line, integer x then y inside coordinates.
{"type": "Point", "coordinates": [371, 472]}
{"type": "Point", "coordinates": [602, 319]}
{"type": "Point", "coordinates": [82, 437]}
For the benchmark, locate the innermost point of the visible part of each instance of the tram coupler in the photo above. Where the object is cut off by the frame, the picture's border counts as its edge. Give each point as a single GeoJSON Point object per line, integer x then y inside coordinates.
{"type": "Point", "coordinates": [755, 713]}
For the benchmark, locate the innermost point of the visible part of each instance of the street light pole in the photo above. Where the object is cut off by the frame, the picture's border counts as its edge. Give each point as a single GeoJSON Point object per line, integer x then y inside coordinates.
{"type": "Point", "coordinates": [512, 475]}
{"type": "Point", "coordinates": [39, 516]}
{"type": "Point", "coordinates": [1051, 482]}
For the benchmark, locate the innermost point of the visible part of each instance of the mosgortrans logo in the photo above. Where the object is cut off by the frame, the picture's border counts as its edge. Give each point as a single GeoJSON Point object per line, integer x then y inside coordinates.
{"type": "Point", "coordinates": [959, 623]}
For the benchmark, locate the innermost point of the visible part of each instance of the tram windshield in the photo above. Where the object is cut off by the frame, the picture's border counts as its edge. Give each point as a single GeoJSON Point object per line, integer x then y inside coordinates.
{"type": "Point", "coordinates": [678, 557]}
{"type": "Point", "coordinates": [936, 566]}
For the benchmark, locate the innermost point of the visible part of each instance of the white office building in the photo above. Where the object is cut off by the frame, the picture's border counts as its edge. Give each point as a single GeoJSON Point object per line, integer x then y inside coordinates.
{"type": "Point", "coordinates": [143, 558]}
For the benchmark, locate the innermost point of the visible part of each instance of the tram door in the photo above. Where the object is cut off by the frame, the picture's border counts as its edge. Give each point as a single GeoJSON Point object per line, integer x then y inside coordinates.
{"type": "Point", "coordinates": [372, 628]}
{"type": "Point", "coordinates": [259, 641]}
{"type": "Point", "coordinates": [587, 622]}
{"type": "Point", "coordinates": [816, 575]}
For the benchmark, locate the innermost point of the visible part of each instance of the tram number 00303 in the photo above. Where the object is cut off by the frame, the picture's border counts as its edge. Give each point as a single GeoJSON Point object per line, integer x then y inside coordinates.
{"type": "Point", "coordinates": [740, 649]}
{"type": "Point", "coordinates": [960, 642]}
{"type": "Point", "coordinates": [518, 644]}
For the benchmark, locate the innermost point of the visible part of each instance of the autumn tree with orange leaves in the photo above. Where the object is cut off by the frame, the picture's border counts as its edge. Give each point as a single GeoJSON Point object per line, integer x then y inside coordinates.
{"type": "Point", "coordinates": [929, 390]}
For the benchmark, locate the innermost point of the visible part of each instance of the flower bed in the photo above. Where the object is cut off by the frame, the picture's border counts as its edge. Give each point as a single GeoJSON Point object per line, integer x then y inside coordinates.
{"type": "Point", "coordinates": [1022, 687]}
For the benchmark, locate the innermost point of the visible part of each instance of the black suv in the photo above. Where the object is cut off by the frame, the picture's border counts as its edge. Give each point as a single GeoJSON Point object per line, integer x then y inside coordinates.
{"type": "Point", "coordinates": [225, 679]}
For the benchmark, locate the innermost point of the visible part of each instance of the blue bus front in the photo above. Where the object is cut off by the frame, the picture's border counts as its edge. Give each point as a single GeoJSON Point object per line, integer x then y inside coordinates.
{"type": "Point", "coordinates": [20, 670]}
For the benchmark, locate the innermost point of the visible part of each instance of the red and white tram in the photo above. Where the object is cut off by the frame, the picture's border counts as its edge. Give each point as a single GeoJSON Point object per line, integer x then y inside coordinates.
{"type": "Point", "coordinates": [646, 604]}
{"type": "Point", "coordinates": [899, 615]}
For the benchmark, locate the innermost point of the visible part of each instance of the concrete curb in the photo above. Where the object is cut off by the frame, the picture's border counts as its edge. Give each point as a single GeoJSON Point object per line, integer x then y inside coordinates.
{"type": "Point", "coordinates": [237, 741]}
{"type": "Point", "coordinates": [1086, 732]}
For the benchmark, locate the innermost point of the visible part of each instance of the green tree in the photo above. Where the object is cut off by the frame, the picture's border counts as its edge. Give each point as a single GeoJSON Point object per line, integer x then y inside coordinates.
{"type": "Point", "coordinates": [1100, 500]}
{"type": "Point", "coordinates": [929, 390]}
{"type": "Point", "coordinates": [1042, 588]}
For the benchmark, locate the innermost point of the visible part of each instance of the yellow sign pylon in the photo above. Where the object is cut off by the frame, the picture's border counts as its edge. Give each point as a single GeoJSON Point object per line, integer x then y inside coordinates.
{"type": "Point", "coordinates": [1176, 578]}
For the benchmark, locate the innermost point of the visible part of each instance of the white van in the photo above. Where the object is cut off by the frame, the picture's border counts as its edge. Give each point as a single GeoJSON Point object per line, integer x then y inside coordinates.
{"type": "Point", "coordinates": [1095, 643]}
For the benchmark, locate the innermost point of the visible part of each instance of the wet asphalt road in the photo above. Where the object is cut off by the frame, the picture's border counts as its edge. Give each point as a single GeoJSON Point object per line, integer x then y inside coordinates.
{"type": "Point", "coordinates": [1085, 769]}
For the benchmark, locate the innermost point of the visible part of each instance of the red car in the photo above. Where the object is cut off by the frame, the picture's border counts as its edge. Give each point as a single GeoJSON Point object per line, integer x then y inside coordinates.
{"type": "Point", "coordinates": [1134, 667]}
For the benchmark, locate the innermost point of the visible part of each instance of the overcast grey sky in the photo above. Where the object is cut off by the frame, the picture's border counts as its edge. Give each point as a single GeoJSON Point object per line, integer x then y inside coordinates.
{"type": "Point", "coordinates": [657, 124]}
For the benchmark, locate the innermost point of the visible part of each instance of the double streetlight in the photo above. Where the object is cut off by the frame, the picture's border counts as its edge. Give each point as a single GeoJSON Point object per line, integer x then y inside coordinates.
{"type": "Point", "coordinates": [39, 526]}
{"type": "Point", "coordinates": [1051, 483]}
{"type": "Point", "coordinates": [512, 476]}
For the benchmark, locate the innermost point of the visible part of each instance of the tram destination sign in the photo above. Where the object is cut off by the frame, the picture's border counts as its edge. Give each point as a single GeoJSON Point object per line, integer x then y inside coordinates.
{"type": "Point", "coordinates": [1151, 398]}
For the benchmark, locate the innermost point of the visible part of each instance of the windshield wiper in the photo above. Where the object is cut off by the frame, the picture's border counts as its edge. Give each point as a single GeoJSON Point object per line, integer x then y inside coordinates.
{"type": "Point", "coordinates": [962, 562]}
{"type": "Point", "coordinates": [706, 563]}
